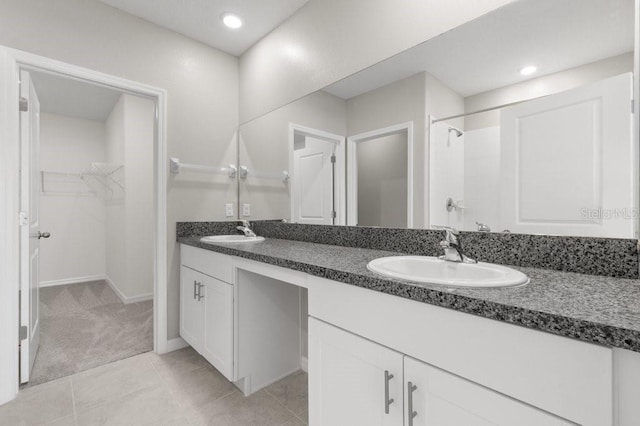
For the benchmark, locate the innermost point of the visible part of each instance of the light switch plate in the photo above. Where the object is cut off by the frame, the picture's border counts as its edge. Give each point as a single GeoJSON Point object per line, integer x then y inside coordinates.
{"type": "Point", "coordinates": [228, 208]}
{"type": "Point", "coordinates": [246, 209]}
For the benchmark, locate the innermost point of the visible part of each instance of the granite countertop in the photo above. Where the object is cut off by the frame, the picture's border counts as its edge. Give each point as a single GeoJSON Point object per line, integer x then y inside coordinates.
{"type": "Point", "coordinates": [597, 309]}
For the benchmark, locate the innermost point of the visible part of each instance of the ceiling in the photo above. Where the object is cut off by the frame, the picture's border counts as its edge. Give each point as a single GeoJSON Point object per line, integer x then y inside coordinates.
{"type": "Point", "coordinates": [200, 19]}
{"type": "Point", "coordinates": [489, 52]}
{"type": "Point", "coordinates": [73, 98]}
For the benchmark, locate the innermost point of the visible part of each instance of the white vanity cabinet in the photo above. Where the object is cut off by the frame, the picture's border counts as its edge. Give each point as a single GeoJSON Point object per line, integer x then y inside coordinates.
{"type": "Point", "coordinates": [206, 306]}
{"type": "Point", "coordinates": [356, 381]}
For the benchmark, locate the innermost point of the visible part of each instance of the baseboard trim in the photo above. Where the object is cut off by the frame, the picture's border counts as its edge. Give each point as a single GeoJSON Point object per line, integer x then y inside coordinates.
{"type": "Point", "coordinates": [125, 299]}
{"type": "Point", "coordinates": [304, 364]}
{"type": "Point", "coordinates": [175, 344]}
{"type": "Point", "coordinates": [74, 280]}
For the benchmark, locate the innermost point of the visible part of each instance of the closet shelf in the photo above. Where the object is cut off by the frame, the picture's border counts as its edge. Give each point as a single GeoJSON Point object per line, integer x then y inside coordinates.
{"type": "Point", "coordinates": [106, 179]}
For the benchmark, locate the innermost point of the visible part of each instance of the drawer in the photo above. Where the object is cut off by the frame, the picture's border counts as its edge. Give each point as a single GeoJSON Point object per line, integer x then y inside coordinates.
{"type": "Point", "coordinates": [208, 262]}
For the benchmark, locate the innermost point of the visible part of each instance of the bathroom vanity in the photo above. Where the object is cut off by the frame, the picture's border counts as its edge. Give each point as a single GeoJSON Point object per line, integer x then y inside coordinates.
{"type": "Point", "coordinates": [390, 352]}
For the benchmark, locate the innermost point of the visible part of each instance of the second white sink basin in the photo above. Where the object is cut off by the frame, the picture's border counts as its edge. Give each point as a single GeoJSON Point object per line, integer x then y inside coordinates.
{"type": "Point", "coordinates": [230, 239]}
{"type": "Point", "coordinates": [432, 270]}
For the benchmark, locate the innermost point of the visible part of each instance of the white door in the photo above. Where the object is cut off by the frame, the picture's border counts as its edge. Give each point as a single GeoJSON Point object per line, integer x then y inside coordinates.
{"type": "Point", "coordinates": [567, 162]}
{"type": "Point", "coordinates": [313, 181]}
{"type": "Point", "coordinates": [438, 398]}
{"type": "Point", "coordinates": [29, 230]}
{"type": "Point", "coordinates": [191, 308]}
{"type": "Point", "coordinates": [217, 345]}
{"type": "Point", "coordinates": [352, 381]}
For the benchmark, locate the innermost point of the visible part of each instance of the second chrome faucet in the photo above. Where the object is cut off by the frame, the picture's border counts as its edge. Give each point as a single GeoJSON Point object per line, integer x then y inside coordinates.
{"type": "Point", "coordinates": [453, 248]}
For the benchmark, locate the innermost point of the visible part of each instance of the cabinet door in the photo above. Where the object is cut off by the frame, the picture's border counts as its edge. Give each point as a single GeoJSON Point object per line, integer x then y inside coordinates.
{"type": "Point", "coordinates": [348, 377]}
{"type": "Point", "coordinates": [217, 345]}
{"type": "Point", "coordinates": [444, 399]}
{"type": "Point", "coordinates": [191, 310]}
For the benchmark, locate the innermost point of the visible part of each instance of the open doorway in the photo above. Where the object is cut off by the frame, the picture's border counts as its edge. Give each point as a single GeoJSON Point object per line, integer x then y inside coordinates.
{"type": "Point", "coordinates": [87, 243]}
{"type": "Point", "coordinates": [380, 177]}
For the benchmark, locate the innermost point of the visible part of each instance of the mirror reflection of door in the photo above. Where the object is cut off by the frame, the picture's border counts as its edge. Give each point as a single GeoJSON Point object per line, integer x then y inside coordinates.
{"type": "Point", "coordinates": [314, 182]}
{"type": "Point", "coordinates": [382, 181]}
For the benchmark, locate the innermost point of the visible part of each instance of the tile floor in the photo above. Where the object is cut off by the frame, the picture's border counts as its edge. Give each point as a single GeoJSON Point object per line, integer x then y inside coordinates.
{"type": "Point", "coordinates": [179, 388]}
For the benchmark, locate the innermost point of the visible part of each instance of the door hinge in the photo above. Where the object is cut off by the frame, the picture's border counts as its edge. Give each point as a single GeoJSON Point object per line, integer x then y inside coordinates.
{"type": "Point", "coordinates": [333, 214]}
{"type": "Point", "coordinates": [24, 104]}
{"type": "Point", "coordinates": [333, 158]}
{"type": "Point", "coordinates": [633, 106]}
{"type": "Point", "coordinates": [24, 219]}
{"type": "Point", "coordinates": [24, 332]}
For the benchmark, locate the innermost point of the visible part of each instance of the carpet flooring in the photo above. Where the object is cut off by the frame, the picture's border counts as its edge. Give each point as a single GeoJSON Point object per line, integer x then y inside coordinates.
{"type": "Point", "coordinates": [86, 325]}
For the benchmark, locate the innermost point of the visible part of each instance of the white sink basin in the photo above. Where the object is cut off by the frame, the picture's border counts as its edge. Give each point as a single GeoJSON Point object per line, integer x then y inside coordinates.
{"type": "Point", "coordinates": [432, 270]}
{"type": "Point", "coordinates": [230, 239]}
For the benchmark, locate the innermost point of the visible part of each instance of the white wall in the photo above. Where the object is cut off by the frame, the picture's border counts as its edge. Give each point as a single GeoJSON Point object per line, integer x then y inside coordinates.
{"type": "Point", "coordinates": [440, 101]}
{"type": "Point", "coordinates": [482, 178]}
{"type": "Point", "coordinates": [264, 146]}
{"type": "Point", "coordinates": [129, 228]}
{"type": "Point", "coordinates": [76, 220]}
{"type": "Point", "coordinates": [327, 40]}
{"type": "Point", "coordinates": [116, 254]}
{"type": "Point", "coordinates": [545, 85]}
{"type": "Point", "coordinates": [139, 120]}
{"type": "Point", "coordinates": [446, 175]}
{"type": "Point", "coordinates": [202, 86]}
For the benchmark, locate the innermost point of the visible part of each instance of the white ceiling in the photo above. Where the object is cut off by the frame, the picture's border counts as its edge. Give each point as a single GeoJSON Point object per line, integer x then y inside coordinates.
{"type": "Point", "coordinates": [73, 98]}
{"type": "Point", "coordinates": [200, 19]}
{"type": "Point", "coordinates": [489, 52]}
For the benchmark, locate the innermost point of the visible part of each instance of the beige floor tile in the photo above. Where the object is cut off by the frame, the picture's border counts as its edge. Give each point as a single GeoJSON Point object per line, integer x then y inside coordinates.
{"type": "Point", "coordinates": [109, 382]}
{"type": "Point", "coordinates": [39, 404]}
{"type": "Point", "coordinates": [259, 409]}
{"type": "Point", "coordinates": [294, 422]}
{"type": "Point", "coordinates": [292, 392]}
{"type": "Point", "coordinates": [181, 361]}
{"type": "Point", "coordinates": [196, 388]}
{"type": "Point", "coordinates": [150, 406]}
{"type": "Point", "coordinates": [65, 421]}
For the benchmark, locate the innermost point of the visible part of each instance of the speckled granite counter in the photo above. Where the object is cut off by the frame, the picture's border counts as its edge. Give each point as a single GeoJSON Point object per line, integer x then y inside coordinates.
{"type": "Point", "coordinates": [596, 309]}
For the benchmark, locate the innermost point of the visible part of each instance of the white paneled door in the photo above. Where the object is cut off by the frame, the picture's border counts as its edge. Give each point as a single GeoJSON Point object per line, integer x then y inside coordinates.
{"type": "Point", "coordinates": [567, 162]}
{"type": "Point", "coordinates": [313, 184]}
{"type": "Point", "coordinates": [29, 226]}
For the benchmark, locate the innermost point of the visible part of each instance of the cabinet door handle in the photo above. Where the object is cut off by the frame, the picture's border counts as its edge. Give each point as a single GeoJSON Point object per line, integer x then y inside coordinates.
{"type": "Point", "coordinates": [410, 389]}
{"type": "Point", "coordinates": [195, 289]}
{"type": "Point", "coordinates": [200, 296]}
{"type": "Point", "coordinates": [387, 401]}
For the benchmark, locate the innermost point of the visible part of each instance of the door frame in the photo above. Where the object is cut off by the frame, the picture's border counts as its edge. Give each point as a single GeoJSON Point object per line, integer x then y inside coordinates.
{"type": "Point", "coordinates": [339, 190]}
{"type": "Point", "coordinates": [11, 61]}
{"type": "Point", "coordinates": [352, 168]}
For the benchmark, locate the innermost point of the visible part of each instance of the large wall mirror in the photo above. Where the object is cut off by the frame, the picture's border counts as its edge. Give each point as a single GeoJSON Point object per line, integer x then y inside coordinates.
{"type": "Point", "coordinates": [519, 121]}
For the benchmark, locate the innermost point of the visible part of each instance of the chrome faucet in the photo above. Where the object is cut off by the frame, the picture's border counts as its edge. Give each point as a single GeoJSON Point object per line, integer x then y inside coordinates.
{"type": "Point", "coordinates": [452, 248]}
{"type": "Point", "coordinates": [246, 229]}
{"type": "Point", "coordinates": [483, 227]}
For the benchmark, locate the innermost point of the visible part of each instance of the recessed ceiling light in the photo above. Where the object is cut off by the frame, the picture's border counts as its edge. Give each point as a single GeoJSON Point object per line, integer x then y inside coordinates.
{"type": "Point", "coordinates": [231, 20]}
{"type": "Point", "coordinates": [528, 70]}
